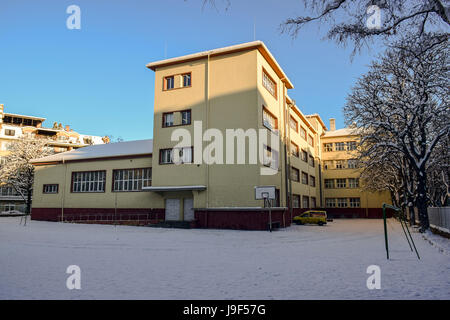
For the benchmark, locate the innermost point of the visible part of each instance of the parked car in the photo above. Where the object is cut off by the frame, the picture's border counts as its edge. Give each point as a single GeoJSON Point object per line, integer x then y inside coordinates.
{"type": "Point", "coordinates": [312, 217]}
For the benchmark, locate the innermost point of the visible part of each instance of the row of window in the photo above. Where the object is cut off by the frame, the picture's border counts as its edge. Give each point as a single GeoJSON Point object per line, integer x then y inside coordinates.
{"type": "Point", "coordinates": [342, 202]}
{"type": "Point", "coordinates": [8, 192]}
{"type": "Point", "coordinates": [307, 202]}
{"type": "Point", "coordinates": [340, 146]}
{"type": "Point", "coordinates": [342, 183]}
{"type": "Point", "coordinates": [305, 157]}
{"type": "Point", "coordinates": [176, 118]}
{"type": "Point", "coordinates": [306, 179]}
{"type": "Point", "coordinates": [95, 181]}
{"type": "Point", "coordinates": [184, 80]}
{"type": "Point", "coordinates": [293, 124]}
{"type": "Point", "coordinates": [340, 164]}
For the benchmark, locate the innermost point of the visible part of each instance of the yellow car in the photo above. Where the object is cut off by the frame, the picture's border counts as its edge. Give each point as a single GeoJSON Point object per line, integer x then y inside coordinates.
{"type": "Point", "coordinates": [313, 217]}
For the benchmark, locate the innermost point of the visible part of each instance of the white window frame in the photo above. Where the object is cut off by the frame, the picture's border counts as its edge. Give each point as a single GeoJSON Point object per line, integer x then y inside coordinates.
{"type": "Point", "coordinates": [88, 181]}
{"type": "Point", "coordinates": [128, 180]}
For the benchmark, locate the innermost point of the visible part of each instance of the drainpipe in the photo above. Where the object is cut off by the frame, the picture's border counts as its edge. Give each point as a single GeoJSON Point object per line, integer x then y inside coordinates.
{"type": "Point", "coordinates": [207, 126]}
{"type": "Point", "coordinates": [64, 189]}
{"type": "Point", "coordinates": [286, 162]}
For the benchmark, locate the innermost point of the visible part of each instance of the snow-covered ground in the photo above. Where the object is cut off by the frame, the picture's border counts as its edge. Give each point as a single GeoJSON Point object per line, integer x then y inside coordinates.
{"type": "Point", "coordinates": [301, 262]}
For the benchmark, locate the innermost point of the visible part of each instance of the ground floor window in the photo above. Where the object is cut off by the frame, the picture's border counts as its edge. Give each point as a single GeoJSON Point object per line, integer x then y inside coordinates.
{"type": "Point", "coordinates": [88, 181]}
{"type": "Point", "coordinates": [355, 202]}
{"type": "Point", "coordinates": [296, 201]}
{"type": "Point", "coordinates": [330, 202]}
{"type": "Point", "coordinates": [305, 202]}
{"type": "Point", "coordinates": [8, 207]}
{"type": "Point", "coordinates": [342, 202]}
{"type": "Point", "coordinates": [313, 202]}
{"type": "Point", "coordinates": [132, 179]}
{"type": "Point", "coordinates": [51, 188]}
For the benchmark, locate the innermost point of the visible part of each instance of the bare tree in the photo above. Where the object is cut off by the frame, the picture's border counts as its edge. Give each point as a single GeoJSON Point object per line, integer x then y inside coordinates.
{"type": "Point", "coordinates": [401, 106]}
{"type": "Point", "coordinates": [18, 172]}
{"type": "Point", "coordinates": [347, 19]}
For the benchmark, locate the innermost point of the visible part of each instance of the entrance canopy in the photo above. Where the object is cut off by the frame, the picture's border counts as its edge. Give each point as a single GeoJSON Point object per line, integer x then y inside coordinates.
{"type": "Point", "coordinates": [175, 188]}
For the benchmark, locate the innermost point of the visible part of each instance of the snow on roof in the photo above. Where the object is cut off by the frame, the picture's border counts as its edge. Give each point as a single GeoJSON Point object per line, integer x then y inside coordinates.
{"type": "Point", "coordinates": [23, 116]}
{"type": "Point", "coordinates": [341, 132]}
{"type": "Point", "coordinates": [118, 149]}
{"type": "Point", "coordinates": [243, 46]}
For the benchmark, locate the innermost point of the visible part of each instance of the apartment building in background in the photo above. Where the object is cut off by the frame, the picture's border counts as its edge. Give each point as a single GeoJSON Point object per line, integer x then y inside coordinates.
{"type": "Point", "coordinates": [60, 139]}
{"type": "Point", "coordinates": [237, 87]}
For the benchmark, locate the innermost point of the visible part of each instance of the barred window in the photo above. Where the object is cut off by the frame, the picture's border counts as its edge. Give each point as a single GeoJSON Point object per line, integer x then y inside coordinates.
{"type": "Point", "coordinates": [304, 178]}
{"type": "Point", "coordinates": [88, 181]}
{"type": "Point", "coordinates": [354, 202]}
{"type": "Point", "coordinates": [51, 188]}
{"type": "Point", "coordinates": [353, 182]}
{"type": "Point", "coordinates": [295, 174]}
{"type": "Point", "coordinates": [340, 146]}
{"type": "Point", "coordinates": [341, 183]}
{"type": "Point", "coordinates": [304, 156]}
{"type": "Point", "coordinates": [329, 183]}
{"type": "Point", "coordinates": [330, 202]}
{"type": "Point", "coordinates": [342, 202]}
{"type": "Point", "coordinates": [312, 181]}
{"type": "Point", "coordinates": [269, 84]}
{"type": "Point", "coordinates": [132, 179]}
{"type": "Point", "coordinates": [296, 201]}
{"type": "Point", "coordinates": [305, 202]}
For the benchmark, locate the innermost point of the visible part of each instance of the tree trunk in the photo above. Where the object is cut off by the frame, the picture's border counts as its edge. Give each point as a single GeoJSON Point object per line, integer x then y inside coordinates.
{"type": "Point", "coordinates": [28, 204]}
{"type": "Point", "coordinates": [422, 205]}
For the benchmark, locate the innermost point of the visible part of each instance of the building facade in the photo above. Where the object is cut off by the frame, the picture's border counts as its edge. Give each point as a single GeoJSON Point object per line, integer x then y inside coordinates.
{"type": "Point", "coordinates": [208, 107]}
{"type": "Point", "coordinates": [60, 139]}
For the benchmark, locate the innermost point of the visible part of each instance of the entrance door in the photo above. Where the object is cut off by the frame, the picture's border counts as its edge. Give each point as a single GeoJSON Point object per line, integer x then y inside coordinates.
{"type": "Point", "coordinates": [188, 209]}
{"type": "Point", "coordinates": [173, 209]}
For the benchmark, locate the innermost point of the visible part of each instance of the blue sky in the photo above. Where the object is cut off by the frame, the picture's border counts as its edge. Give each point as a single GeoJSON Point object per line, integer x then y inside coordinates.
{"type": "Point", "coordinates": [95, 79]}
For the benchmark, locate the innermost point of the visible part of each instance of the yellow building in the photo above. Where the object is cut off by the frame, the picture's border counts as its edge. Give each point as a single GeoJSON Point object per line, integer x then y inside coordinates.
{"type": "Point", "coordinates": [229, 97]}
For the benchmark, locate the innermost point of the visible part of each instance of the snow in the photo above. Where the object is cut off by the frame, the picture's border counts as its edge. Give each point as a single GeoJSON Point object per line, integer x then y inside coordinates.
{"type": "Point", "coordinates": [340, 132]}
{"type": "Point", "coordinates": [138, 147]}
{"type": "Point", "coordinates": [300, 262]}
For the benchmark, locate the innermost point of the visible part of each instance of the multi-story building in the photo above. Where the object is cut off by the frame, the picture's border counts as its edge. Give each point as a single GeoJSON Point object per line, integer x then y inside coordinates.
{"type": "Point", "coordinates": [60, 139]}
{"type": "Point", "coordinates": [213, 99]}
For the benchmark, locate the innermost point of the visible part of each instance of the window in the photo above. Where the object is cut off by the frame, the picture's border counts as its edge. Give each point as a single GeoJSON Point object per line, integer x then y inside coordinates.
{"type": "Point", "coordinates": [269, 120]}
{"type": "Point", "coordinates": [311, 161]}
{"type": "Point", "coordinates": [132, 179]}
{"type": "Point", "coordinates": [88, 181]}
{"type": "Point", "coordinates": [305, 202]}
{"type": "Point", "coordinates": [7, 207]}
{"type": "Point", "coordinates": [295, 201]}
{"type": "Point", "coordinates": [167, 119]}
{"type": "Point", "coordinates": [304, 156]}
{"type": "Point", "coordinates": [304, 178]}
{"type": "Point", "coordinates": [8, 192]}
{"type": "Point", "coordinates": [312, 181]}
{"type": "Point", "coordinates": [353, 182]}
{"type": "Point", "coordinates": [293, 124]}
{"type": "Point", "coordinates": [313, 202]}
{"type": "Point", "coordinates": [294, 150]}
{"type": "Point", "coordinates": [328, 164]}
{"type": "Point", "coordinates": [329, 183]}
{"type": "Point", "coordinates": [341, 183]}
{"type": "Point", "coordinates": [328, 147]}
{"type": "Point", "coordinates": [269, 84]}
{"type": "Point", "coordinates": [303, 133]}
{"type": "Point", "coordinates": [351, 163]}
{"type": "Point", "coordinates": [310, 140]}
{"type": "Point", "coordinates": [183, 155]}
{"type": "Point", "coordinates": [169, 83]}
{"type": "Point", "coordinates": [340, 146]}
{"type": "Point", "coordinates": [342, 202]}
{"type": "Point", "coordinates": [9, 132]}
{"type": "Point", "coordinates": [330, 202]}
{"type": "Point", "coordinates": [51, 188]}
{"type": "Point", "coordinates": [351, 145]}
{"type": "Point", "coordinates": [340, 164]}
{"type": "Point", "coordinates": [295, 174]}
{"type": "Point", "coordinates": [186, 117]}
{"type": "Point", "coordinates": [354, 202]}
{"type": "Point", "coordinates": [187, 80]}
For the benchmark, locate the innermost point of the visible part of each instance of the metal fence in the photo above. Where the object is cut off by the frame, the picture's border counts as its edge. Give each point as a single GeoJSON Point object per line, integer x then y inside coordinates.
{"type": "Point", "coordinates": [440, 218]}
{"type": "Point", "coordinates": [120, 218]}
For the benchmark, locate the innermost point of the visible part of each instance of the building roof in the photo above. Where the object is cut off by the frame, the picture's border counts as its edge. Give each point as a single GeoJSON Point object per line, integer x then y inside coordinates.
{"type": "Point", "coordinates": [340, 133]}
{"type": "Point", "coordinates": [13, 115]}
{"type": "Point", "coordinates": [317, 116]}
{"type": "Point", "coordinates": [226, 50]}
{"type": "Point", "coordinates": [101, 151]}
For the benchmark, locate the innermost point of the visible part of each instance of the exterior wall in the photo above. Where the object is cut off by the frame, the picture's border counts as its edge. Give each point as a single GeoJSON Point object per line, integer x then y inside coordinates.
{"type": "Point", "coordinates": [61, 174]}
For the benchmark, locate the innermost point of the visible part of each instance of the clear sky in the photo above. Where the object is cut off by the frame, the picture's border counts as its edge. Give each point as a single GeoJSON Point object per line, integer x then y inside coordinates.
{"type": "Point", "coordinates": [95, 79]}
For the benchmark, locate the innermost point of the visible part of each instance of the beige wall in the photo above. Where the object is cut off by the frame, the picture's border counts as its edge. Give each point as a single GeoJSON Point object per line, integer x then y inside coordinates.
{"type": "Point", "coordinates": [62, 174]}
